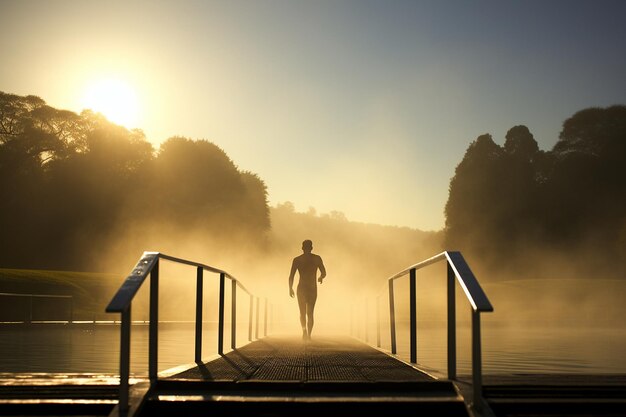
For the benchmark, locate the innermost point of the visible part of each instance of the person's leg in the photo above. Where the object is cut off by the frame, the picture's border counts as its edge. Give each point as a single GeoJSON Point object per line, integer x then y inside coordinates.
{"type": "Point", "coordinates": [302, 305]}
{"type": "Point", "coordinates": [310, 320]}
{"type": "Point", "coordinates": [310, 308]}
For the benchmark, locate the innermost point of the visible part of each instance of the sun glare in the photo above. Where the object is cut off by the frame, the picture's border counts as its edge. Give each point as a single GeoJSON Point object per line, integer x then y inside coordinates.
{"type": "Point", "coordinates": [115, 99]}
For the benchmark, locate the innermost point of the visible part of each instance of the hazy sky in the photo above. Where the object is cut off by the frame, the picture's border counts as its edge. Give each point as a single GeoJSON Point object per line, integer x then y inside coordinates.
{"type": "Point", "coordinates": [364, 107]}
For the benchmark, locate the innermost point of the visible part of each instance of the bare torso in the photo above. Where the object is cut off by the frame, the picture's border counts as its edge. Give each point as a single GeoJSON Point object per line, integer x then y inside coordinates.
{"type": "Point", "coordinates": [307, 265]}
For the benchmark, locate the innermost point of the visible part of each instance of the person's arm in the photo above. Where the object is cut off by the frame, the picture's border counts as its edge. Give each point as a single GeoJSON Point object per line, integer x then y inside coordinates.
{"type": "Point", "coordinates": [322, 271]}
{"type": "Point", "coordinates": [291, 276]}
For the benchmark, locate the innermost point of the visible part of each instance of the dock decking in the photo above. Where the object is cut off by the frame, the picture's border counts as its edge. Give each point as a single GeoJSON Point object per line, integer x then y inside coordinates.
{"type": "Point", "coordinates": [280, 376]}
{"type": "Point", "coordinates": [291, 359]}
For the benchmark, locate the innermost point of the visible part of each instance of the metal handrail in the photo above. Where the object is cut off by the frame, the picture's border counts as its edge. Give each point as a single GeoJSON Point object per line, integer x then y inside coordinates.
{"type": "Point", "coordinates": [29, 319]}
{"type": "Point", "coordinates": [459, 269]}
{"type": "Point", "coordinates": [122, 302]}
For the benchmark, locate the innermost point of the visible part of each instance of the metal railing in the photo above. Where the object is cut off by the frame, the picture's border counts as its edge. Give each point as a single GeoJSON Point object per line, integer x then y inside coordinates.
{"type": "Point", "coordinates": [456, 268]}
{"type": "Point", "coordinates": [29, 316]}
{"type": "Point", "coordinates": [122, 301]}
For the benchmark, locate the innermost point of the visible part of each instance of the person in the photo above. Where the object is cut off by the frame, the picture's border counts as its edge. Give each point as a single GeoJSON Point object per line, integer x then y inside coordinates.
{"type": "Point", "coordinates": [307, 266]}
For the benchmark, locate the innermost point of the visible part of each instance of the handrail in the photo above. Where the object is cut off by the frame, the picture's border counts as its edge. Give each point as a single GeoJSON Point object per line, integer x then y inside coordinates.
{"type": "Point", "coordinates": [475, 294]}
{"type": "Point", "coordinates": [121, 302]}
{"type": "Point", "coordinates": [457, 268]}
{"type": "Point", "coordinates": [29, 319]}
{"type": "Point", "coordinates": [129, 288]}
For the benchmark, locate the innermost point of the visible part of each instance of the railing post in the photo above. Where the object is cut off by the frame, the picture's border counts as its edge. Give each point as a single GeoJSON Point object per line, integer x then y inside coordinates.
{"type": "Point", "coordinates": [153, 347]}
{"type": "Point", "coordinates": [233, 314]}
{"type": "Point", "coordinates": [71, 309]}
{"type": "Point", "coordinates": [256, 327]}
{"type": "Point", "coordinates": [220, 320]}
{"type": "Point", "coordinates": [357, 322]}
{"type": "Point", "coordinates": [199, 299]}
{"type": "Point", "coordinates": [250, 318]}
{"type": "Point", "coordinates": [392, 319]}
{"type": "Point", "coordinates": [477, 378]}
{"type": "Point", "coordinates": [29, 319]}
{"type": "Point", "coordinates": [265, 319]}
{"type": "Point", "coordinates": [413, 315]}
{"type": "Point", "coordinates": [124, 360]}
{"type": "Point", "coordinates": [378, 321]}
{"type": "Point", "coordinates": [451, 324]}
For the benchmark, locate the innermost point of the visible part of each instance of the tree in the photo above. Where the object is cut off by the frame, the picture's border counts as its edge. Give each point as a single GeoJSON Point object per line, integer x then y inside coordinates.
{"type": "Point", "coordinates": [255, 207]}
{"type": "Point", "coordinates": [26, 144]}
{"type": "Point", "coordinates": [74, 184]}
{"type": "Point", "coordinates": [521, 143]}
{"type": "Point", "coordinates": [195, 182]}
{"type": "Point", "coordinates": [90, 190]}
{"type": "Point", "coordinates": [586, 189]}
{"type": "Point", "coordinates": [595, 131]}
{"type": "Point", "coordinates": [524, 176]}
{"type": "Point", "coordinates": [473, 206]}
{"type": "Point", "coordinates": [572, 198]}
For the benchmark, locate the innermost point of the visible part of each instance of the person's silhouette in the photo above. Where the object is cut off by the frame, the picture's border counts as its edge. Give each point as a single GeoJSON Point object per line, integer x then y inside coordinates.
{"type": "Point", "coordinates": [307, 265]}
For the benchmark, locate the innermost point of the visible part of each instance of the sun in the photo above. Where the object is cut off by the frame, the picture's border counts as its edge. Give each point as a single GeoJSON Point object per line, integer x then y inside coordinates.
{"type": "Point", "coordinates": [115, 99]}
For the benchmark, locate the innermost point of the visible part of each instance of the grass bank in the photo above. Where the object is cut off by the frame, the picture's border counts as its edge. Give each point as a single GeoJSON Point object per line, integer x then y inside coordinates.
{"type": "Point", "coordinates": [91, 292]}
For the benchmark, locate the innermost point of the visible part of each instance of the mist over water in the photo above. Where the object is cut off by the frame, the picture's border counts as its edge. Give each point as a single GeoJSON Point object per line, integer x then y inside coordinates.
{"type": "Point", "coordinates": [553, 292]}
{"type": "Point", "coordinates": [552, 322]}
{"type": "Point", "coordinates": [552, 317]}
{"type": "Point", "coordinates": [358, 258]}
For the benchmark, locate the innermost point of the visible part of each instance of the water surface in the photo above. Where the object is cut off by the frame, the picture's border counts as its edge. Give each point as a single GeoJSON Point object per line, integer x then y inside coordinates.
{"type": "Point", "coordinates": [94, 348]}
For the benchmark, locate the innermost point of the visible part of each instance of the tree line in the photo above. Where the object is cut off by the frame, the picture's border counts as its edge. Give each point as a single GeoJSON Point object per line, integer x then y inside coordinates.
{"type": "Point", "coordinates": [506, 202]}
{"type": "Point", "coordinates": [70, 183]}
{"type": "Point", "coordinates": [75, 185]}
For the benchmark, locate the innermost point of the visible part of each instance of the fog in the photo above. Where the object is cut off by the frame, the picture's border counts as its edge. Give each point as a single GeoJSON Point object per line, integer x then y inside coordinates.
{"type": "Point", "coordinates": [538, 288]}
{"type": "Point", "coordinates": [358, 258]}
{"type": "Point", "coordinates": [543, 231]}
{"type": "Point", "coordinates": [574, 288]}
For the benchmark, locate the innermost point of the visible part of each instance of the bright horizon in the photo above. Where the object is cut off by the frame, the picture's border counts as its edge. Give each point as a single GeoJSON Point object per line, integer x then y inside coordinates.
{"type": "Point", "coordinates": [360, 107]}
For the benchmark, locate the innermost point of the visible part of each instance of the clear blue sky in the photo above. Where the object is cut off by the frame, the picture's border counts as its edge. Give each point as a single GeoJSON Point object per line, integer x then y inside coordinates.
{"type": "Point", "coordinates": [364, 107]}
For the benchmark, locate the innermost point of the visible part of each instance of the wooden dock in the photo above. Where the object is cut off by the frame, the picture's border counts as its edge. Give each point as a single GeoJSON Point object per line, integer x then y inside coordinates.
{"type": "Point", "coordinates": [285, 376]}
{"type": "Point", "coordinates": [290, 359]}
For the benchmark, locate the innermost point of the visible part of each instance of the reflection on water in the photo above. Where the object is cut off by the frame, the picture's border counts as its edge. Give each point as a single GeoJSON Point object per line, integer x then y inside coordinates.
{"type": "Point", "coordinates": [524, 350]}
{"type": "Point", "coordinates": [89, 348]}
{"type": "Point", "coordinates": [94, 348]}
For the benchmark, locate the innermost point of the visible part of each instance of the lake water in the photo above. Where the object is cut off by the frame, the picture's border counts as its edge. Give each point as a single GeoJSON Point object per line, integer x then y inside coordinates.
{"type": "Point", "coordinates": [539, 350]}
{"type": "Point", "coordinates": [94, 348]}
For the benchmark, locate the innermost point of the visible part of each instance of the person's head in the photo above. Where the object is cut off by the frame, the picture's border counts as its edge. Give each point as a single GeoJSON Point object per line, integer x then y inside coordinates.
{"type": "Point", "coordinates": [307, 246]}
